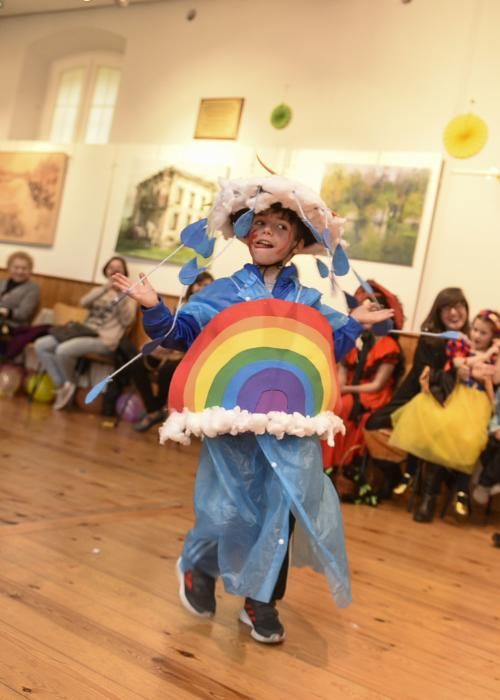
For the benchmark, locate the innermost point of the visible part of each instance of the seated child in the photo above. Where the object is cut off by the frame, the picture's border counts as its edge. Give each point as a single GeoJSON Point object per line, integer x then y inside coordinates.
{"type": "Point", "coordinates": [260, 477]}
{"type": "Point", "coordinates": [367, 378]}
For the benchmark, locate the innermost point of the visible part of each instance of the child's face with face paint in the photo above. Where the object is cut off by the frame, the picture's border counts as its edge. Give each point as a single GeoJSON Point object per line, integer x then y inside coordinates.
{"type": "Point", "coordinates": [272, 239]}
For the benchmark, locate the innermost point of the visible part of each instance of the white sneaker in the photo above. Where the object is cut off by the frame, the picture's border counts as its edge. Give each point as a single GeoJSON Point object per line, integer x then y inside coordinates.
{"type": "Point", "coordinates": [64, 395]}
{"type": "Point", "coordinates": [481, 494]}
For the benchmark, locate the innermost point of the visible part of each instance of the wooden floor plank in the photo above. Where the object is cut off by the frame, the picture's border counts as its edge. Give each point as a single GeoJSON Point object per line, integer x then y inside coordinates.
{"type": "Point", "coordinates": [91, 524]}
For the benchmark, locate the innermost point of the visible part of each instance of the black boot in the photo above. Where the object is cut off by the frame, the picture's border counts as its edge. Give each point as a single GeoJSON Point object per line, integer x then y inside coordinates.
{"type": "Point", "coordinates": [427, 507]}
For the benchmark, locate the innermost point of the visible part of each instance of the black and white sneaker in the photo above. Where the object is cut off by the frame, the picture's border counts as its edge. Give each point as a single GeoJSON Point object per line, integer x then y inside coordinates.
{"type": "Point", "coordinates": [264, 620]}
{"type": "Point", "coordinates": [196, 591]}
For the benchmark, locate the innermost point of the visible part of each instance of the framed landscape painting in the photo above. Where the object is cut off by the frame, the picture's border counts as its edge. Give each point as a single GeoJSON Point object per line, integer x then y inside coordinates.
{"type": "Point", "coordinates": [31, 186]}
{"type": "Point", "coordinates": [383, 207]}
{"type": "Point", "coordinates": [388, 201]}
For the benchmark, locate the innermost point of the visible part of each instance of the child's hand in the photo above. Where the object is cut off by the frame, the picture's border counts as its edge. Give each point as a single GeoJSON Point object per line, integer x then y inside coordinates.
{"type": "Point", "coordinates": [482, 371]}
{"type": "Point", "coordinates": [496, 434]}
{"type": "Point", "coordinates": [463, 371]}
{"type": "Point", "coordinates": [143, 293]}
{"type": "Point", "coordinates": [370, 313]}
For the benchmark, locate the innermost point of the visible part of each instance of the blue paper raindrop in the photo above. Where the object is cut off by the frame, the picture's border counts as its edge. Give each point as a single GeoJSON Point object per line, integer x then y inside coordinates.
{"type": "Point", "coordinates": [322, 268]}
{"type": "Point", "coordinates": [190, 271]}
{"type": "Point", "coordinates": [340, 261]}
{"type": "Point", "coordinates": [97, 390]}
{"type": "Point", "coordinates": [193, 234]}
{"type": "Point", "coordinates": [243, 224]}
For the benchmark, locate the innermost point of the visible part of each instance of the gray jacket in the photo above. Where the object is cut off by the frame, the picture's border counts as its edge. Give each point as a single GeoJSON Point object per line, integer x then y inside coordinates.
{"type": "Point", "coordinates": [22, 302]}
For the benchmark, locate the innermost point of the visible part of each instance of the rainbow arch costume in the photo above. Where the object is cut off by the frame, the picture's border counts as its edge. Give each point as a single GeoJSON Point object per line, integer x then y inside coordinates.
{"type": "Point", "coordinates": [258, 366]}
{"type": "Point", "coordinates": [258, 465]}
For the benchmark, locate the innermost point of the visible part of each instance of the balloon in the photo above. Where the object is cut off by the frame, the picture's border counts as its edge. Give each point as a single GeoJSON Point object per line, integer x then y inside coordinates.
{"type": "Point", "coordinates": [11, 377]}
{"type": "Point", "coordinates": [129, 407]}
{"type": "Point", "coordinates": [42, 386]}
{"type": "Point", "coordinates": [96, 407]}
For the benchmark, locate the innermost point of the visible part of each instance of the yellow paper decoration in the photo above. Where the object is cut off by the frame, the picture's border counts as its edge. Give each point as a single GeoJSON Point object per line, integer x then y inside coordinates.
{"type": "Point", "coordinates": [465, 135]}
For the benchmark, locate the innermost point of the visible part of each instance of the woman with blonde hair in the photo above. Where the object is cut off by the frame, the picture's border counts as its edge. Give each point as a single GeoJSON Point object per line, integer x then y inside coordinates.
{"type": "Point", "coordinates": [19, 299]}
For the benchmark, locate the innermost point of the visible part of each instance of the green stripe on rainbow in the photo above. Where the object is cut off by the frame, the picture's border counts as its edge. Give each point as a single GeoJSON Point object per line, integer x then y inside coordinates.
{"type": "Point", "coordinates": [226, 389]}
{"type": "Point", "coordinates": [268, 355]}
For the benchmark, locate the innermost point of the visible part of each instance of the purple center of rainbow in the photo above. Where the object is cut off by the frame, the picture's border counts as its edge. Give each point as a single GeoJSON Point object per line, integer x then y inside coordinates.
{"type": "Point", "coordinates": [272, 389]}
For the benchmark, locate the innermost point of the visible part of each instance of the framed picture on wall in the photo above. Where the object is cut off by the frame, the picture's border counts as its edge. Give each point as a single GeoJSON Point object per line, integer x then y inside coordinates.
{"type": "Point", "coordinates": [219, 118]}
{"type": "Point", "coordinates": [157, 208]}
{"type": "Point", "coordinates": [31, 186]}
{"type": "Point", "coordinates": [382, 205]}
{"type": "Point", "coordinates": [388, 202]}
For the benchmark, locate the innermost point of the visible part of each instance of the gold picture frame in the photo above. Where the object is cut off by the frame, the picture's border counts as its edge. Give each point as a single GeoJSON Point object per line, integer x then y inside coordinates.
{"type": "Point", "coordinates": [219, 118]}
{"type": "Point", "coordinates": [31, 189]}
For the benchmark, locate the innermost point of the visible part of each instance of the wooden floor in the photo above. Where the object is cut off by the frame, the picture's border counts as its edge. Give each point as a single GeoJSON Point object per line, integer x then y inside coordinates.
{"type": "Point", "coordinates": [91, 523]}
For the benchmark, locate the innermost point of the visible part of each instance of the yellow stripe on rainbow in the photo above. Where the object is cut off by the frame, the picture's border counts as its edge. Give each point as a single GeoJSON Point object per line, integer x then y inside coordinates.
{"type": "Point", "coordinates": [280, 333]}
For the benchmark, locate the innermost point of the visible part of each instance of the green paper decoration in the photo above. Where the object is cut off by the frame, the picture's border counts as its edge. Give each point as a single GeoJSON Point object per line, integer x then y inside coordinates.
{"type": "Point", "coordinates": [281, 116]}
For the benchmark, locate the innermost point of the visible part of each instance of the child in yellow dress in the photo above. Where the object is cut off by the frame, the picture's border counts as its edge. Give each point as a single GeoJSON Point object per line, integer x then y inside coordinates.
{"type": "Point", "coordinates": [454, 433]}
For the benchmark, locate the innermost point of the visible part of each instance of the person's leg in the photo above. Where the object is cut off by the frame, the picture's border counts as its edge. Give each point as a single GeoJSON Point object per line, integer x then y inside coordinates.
{"type": "Point", "coordinates": [391, 472]}
{"type": "Point", "coordinates": [461, 506]}
{"type": "Point", "coordinates": [432, 484]}
{"type": "Point", "coordinates": [165, 374]}
{"type": "Point", "coordinates": [141, 377]}
{"type": "Point", "coordinates": [262, 617]}
{"type": "Point", "coordinates": [490, 459]}
{"type": "Point", "coordinates": [489, 479]}
{"type": "Point", "coordinates": [66, 356]}
{"type": "Point", "coordinates": [155, 405]}
{"type": "Point", "coordinates": [280, 587]}
{"type": "Point", "coordinates": [196, 586]}
{"type": "Point", "coordinates": [68, 353]}
{"type": "Point", "coordinates": [45, 349]}
{"type": "Point", "coordinates": [20, 337]}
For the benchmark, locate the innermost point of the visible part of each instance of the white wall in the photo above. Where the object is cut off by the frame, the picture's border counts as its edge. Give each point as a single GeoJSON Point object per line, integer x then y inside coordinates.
{"type": "Point", "coordinates": [361, 75]}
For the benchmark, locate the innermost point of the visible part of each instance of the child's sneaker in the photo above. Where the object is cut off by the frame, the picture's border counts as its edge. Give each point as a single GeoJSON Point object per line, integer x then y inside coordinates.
{"type": "Point", "coordinates": [461, 505]}
{"type": "Point", "coordinates": [264, 621]}
{"type": "Point", "coordinates": [196, 591]}
{"type": "Point", "coordinates": [404, 484]}
{"type": "Point", "coordinates": [481, 494]}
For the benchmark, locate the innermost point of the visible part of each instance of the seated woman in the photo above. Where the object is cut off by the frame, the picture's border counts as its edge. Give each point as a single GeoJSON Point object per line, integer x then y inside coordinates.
{"type": "Point", "coordinates": [19, 299]}
{"type": "Point", "coordinates": [449, 311]}
{"type": "Point", "coordinates": [162, 363]}
{"type": "Point", "coordinates": [367, 377]}
{"type": "Point", "coordinates": [106, 324]}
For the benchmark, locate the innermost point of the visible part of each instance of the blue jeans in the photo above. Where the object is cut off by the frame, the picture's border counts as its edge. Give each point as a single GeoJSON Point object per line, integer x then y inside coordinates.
{"type": "Point", "coordinates": [59, 359]}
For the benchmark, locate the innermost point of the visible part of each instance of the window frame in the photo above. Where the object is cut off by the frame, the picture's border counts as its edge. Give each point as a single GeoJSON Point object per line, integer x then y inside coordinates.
{"type": "Point", "coordinates": [90, 62]}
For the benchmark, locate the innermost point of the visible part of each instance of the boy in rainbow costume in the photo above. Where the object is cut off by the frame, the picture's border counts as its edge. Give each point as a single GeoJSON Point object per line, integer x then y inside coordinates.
{"type": "Point", "coordinates": [258, 384]}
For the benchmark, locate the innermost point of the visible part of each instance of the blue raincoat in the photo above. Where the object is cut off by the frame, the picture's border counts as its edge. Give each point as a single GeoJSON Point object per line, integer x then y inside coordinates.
{"type": "Point", "coordinates": [247, 485]}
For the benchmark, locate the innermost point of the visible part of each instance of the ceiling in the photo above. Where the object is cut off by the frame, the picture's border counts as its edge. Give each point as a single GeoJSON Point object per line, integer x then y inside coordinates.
{"type": "Point", "coordinates": [10, 8]}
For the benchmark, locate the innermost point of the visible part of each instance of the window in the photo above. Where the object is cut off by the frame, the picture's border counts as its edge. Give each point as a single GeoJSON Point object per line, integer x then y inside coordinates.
{"type": "Point", "coordinates": [102, 105]}
{"type": "Point", "coordinates": [67, 105]}
{"type": "Point", "coordinates": [81, 99]}
{"type": "Point", "coordinates": [179, 194]}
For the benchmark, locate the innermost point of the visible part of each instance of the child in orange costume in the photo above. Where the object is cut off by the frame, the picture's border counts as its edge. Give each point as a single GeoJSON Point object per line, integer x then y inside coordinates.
{"type": "Point", "coordinates": [367, 377]}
